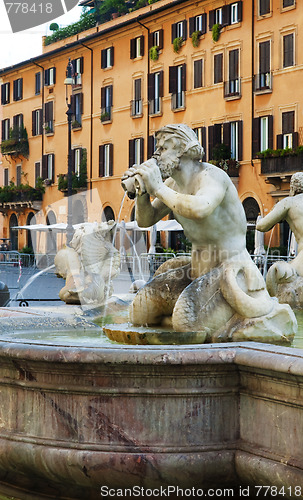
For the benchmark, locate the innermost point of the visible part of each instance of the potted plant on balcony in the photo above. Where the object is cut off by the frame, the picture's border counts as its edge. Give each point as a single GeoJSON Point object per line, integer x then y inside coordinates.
{"type": "Point", "coordinates": [76, 124]}
{"type": "Point", "coordinates": [105, 116]}
{"type": "Point", "coordinates": [17, 143]}
{"type": "Point", "coordinates": [154, 53]}
{"type": "Point", "coordinates": [216, 30]}
{"type": "Point", "coordinates": [195, 38]}
{"type": "Point", "coordinates": [177, 43]}
{"type": "Point", "coordinates": [221, 157]}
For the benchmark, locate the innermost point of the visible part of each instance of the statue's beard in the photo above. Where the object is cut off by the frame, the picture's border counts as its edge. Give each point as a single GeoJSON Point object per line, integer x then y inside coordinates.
{"type": "Point", "coordinates": [168, 167]}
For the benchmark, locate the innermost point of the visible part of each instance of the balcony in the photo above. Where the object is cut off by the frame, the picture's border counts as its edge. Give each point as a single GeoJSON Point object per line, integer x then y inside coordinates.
{"type": "Point", "coordinates": [232, 89]}
{"type": "Point", "coordinates": [263, 83]}
{"type": "Point", "coordinates": [136, 108]}
{"type": "Point", "coordinates": [17, 143]}
{"type": "Point", "coordinates": [106, 114]}
{"type": "Point", "coordinates": [155, 106]}
{"type": "Point", "coordinates": [17, 198]}
{"type": "Point", "coordinates": [178, 101]}
{"type": "Point", "coordinates": [279, 169]}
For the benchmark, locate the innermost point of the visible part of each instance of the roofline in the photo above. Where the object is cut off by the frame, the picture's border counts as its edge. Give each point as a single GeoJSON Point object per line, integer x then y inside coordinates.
{"type": "Point", "coordinates": [93, 36]}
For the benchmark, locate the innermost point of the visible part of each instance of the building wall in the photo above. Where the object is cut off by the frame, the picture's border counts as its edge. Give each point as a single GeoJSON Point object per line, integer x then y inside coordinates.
{"type": "Point", "coordinates": [204, 106]}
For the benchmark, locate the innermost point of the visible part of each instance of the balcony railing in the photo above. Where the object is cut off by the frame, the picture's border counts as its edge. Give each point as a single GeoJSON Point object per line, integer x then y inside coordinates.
{"type": "Point", "coordinates": [282, 164]}
{"type": "Point", "coordinates": [263, 82]}
{"type": "Point", "coordinates": [155, 106]}
{"type": "Point", "coordinates": [178, 100]}
{"type": "Point", "coordinates": [106, 114]}
{"type": "Point", "coordinates": [136, 107]}
{"type": "Point", "coordinates": [232, 88]}
{"type": "Point", "coordinates": [17, 143]}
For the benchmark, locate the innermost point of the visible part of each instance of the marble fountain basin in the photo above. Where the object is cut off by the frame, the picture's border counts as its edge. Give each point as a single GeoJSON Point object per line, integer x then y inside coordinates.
{"type": "Point", "coordinates": [78, 412]}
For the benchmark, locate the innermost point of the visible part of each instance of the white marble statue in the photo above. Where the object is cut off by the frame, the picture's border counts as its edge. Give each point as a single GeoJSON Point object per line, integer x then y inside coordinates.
{"type": "Point", "coordinates": [221, 291]}
{"type": "Point", "coordinates": [88, 264]}
{"type": "Point", "coordinates": [285, 279]}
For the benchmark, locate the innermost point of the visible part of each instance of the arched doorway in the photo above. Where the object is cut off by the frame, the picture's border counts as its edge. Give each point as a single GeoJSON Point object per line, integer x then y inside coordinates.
{"type": "Point", "coordinates": [107, 214]}
{"type": "Point", "coordinates": [78, 212]}
{"type": "Point", "coordinates": [31, 236]}
{"type": "Point", "coordinates": [51, 235]}
{"type": "Point", "coordinates": [252, 210]}
{"type": "Point", "coordinates": [13, 234]}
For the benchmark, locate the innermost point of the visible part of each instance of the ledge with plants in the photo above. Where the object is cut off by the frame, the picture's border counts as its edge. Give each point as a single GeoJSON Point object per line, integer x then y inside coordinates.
{"type": "Point", "coordinates": [22, 192]}
{"type": "Point", "coordinates": [280, 153]}
{"type": "Point", "coordinates": [17, 143]}
{"type": "Point", "coordinates": [195, 38]}
{"type": "Point", "coordinates": [216, 31]}
{"type": "Point", "coordinates": [177, 43]}
{"type": "Point", "coordinates": [221, 157]}
{"type": "Point", "coordinates": [154, 53]}
{"type": "Point", "coordinates": [78, 181]}
{"type": "Point", "coordinates": [76, 125]}
{"type": "Point", "coordinates": [275, 161]}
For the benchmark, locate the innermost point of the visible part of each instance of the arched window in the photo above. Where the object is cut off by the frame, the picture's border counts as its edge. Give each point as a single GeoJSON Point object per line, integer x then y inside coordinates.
{"type": "Point", "coordinates": [31, 235]}
{"type": "Point", "coordinates": [13, 233]}
{"type": "Point", "coordinates": [107, 214]}
{"type": "Point", "coordinates": [78, 212]}
{"type": "Point", "coordinates": [252, 210]}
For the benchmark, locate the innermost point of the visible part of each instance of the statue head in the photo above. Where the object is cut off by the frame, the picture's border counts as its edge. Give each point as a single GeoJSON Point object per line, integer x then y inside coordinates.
{"type": "Point", "coordinates": [296, 184]}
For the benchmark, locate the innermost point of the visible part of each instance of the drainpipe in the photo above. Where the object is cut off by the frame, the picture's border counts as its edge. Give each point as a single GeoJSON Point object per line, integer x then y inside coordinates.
{"type": "Point", "coordinates": [91, 117]}
{"type": "Point", "coordinates": [148, 73]}
{"type": "Point", "coordinates": [42, 97]}
{"type": "Point", "coordinates": [252, 76]}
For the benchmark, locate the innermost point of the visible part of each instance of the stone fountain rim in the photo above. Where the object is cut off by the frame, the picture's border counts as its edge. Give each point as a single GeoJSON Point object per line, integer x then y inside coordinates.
{"type": "Point", "coordinates": [258, 355]}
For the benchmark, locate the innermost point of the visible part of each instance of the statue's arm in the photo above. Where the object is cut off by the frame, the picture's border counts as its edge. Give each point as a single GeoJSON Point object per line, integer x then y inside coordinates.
{"type": "Point", "coordinates": [277, 214]}
{"type": "Point", "coordinates": [149, 213]}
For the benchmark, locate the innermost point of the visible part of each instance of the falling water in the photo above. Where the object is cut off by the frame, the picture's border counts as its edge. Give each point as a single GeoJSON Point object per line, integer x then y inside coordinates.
{"type": "Point", "coordinates": [266, 256]}
{"type": "Point", "coordinates": [19, 294]}
{"type": "Point", "coordinates": [137, 257]}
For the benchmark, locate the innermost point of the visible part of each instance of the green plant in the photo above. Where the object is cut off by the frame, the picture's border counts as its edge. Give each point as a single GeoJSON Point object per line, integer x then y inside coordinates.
{"type": "Point", "coordinates": [48, 130]}
{"type": "Point", "coordinates": [105, 116]}
{"type": "Point", "coordinates": [177, 43]}
{"type": "Point", "coordinates": [17, 144]}
{"type": "Point", "coordinates": [216, 29]}
{"type": "Point", "coordinates": [54, 27]}
{"type": "Point", "coordinates": [279, 153]}
{"type": "Point", "coordinates": [154, 53]}
{"type": "Point", "coordinates": [23, 192]}
{"type": "Point", "coordinates": [76, 124]}
{"type": "Point", "coordinates": [78, 181]}
{"type": "Point", "coordinates": [221, 152]}
{"type": "Point", "coordinates": [87, 20]}
{"type": "Point", "coordinates": [195, 38]}
{"type": "Point", "coordinates": [26, 250]}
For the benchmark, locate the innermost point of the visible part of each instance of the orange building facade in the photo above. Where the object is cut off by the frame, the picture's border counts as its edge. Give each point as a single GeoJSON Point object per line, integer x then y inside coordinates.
{"type": "Point", "coordinates": [241, 93]}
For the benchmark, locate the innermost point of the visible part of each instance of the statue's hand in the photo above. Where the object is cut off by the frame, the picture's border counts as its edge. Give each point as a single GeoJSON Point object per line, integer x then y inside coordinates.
{"type": "Point", "coordinates": [151, 175]}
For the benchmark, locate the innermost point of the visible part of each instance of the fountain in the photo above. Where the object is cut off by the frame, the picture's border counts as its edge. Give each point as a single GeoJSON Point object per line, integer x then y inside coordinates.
{"type": "Point", "coordinates": [82, 415]}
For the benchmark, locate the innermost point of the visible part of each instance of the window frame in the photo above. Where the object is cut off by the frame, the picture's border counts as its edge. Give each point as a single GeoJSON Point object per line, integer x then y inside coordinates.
{"type": "Point", "coordinates": [18, 89]}
{"type": "Point", "coordinates": [5, 129]}
{"type": "Point", "coordinates": [5, 93]}
{"type": "Point", "coordinates": [38, 83]}
{"type": "Point", "coordinates": [267, 12]}
{"type": "Point", "coordinates": [219, 78]}
{"type": "Point", "coordinates": [285, 54]}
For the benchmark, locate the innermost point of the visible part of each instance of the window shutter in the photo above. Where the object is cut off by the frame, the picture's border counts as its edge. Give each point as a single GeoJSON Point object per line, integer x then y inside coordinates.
{"type": "Point", "coordinates": [218, 68]}
{"type": "Point", "coordinates": [183, 83]}
{"type": "Point", "coordinates": [53, 167]}
{"type": "Point", "coordinates": [217, 133]}
{"type": "Point", "coordinates": [270, 131]}
{"type": "Point", "coordinates": [150, 146]}
{"type": "Point", "coordinates": [142, 45]}
{"type": "Point", "coordinates": [103, 59]}
{"type": "Point", "coordinates": [54, 74]}
{"type": "Point", "coordinates": [112, 56]}
{"type": "Point", "coordinates": [173, 79]}
{"type": "Point", "coordinates": [198, 73]}
{"type": "Point", "coordinates": [131, 152]}
{"type": "Point", "coordinates": [264, 56]}
{"type": "Point", "coordinates": [3, 130]}
{"type": "Point", "coordinates": [233, 64]}
{"type": "Point", "coordinates": [74, 160]}
{"type": "Point", "coordinates": [204, 23]}
{"type": "Point", "coordinates": [81, 64]}
{"type": "Point", "coordinates": [151, 86]}
{"type": "Point", "coordinates": [295, 140]}
{"type": "Point", "coordinates": [46, 77]}
{"type": "Point", "coordinates": [101, 161]}
{"type": "Point", "coordinates": [173, 32]}
{"type": "Point", "coordinates": [138, 89]}
{"type": "Point", "coordinates": [184, 29]}
{"type": "Point", "coordinates": [2, 94]}
{"type": "Point", "coordinates": [40, 121]}
{"type": "Point", "coordinates": [255, 137]}
{"type": "Point", "coordinates": [161, 39]}
{"type": "Point", "coordinates": [15, 121]}
{"type": "Point", "coordinates": [74, 66]}
{"type": "Point", "coordinates": [46, 112]}
{"type": "Point", "coordinates": [211, 19]}
{"type": "Point", "coordinates": [21, 89]}
{"type": "Point", "coordinates": [141, 150]}
{"type": "Point", "coordinates": [44, 167]}
{"type": "Point", "coordinates": [102, 97]}
{"type": "Point", "coordinates": [37, 171]}
{"type": "Point", "coordinates": [240, 140]}
{"type": "Point", "coordinates": [240, 11]}
{"type": "Point", "coordinates": [111, 88]}
{"type": "Point", "coordinates": [51, 110]}
{"type": "Point", "coordinates": [33, 122]}
{"type": "Point", "coordinates": [73, 104]}
{"type": "Point", "coordinates": [226, 134]}
{"type": "Point", "coordinates": [210, 141]}
{"type": "Point", "coordinates": [161, 86]}
{"type": "Point", "coordinates": [81, 103]}
{"type": "Point", "coordinates": [203, 131]}
{"type": "Point", "coordinates": [225, 15]}
{"type": "Point", "coordinates": [14, 90]}
{"type": "Point", "coordinates": [288, 122]}
{"type": "Point", "coordinates": [133, 48]}
{"type": "Point", "coordinates": [111, 159]}
{"type": "Point", "coordinates": [279, 141]}
{"type": "Point", "coordinates": [191, 25]}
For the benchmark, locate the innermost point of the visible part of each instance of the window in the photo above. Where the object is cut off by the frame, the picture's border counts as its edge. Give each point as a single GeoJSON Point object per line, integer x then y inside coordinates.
{"type": "Point", "coordinates": [136, 103]}
{"type": "Point", "coordinates": [50, 76]}
{"type": "Point", "coordinates": [233, 13]}
{"type": "Point", "coordinates": [37, 122]}
{"type": "Point", "coordinates": [49, 117]}
{"type": "Point", "coordinates": [156, 39]}
{"type": "Point", "coordinates": [137, 47]}
{"type": "Point", "coordinates": [218, 68]}
{"type": "Point", "coordinates": [232, 86]}
{"type": "Point", "coordinates": [264, 7]}
{"type": "Point", "coordinates": [197, 23]}
{"type": "Point", "coordinates": [136, 151]}
{"type": "Point", "coordinates": [198, 71]}
{"type": "Point", "coordinates": [201, 135]}
{"type": "Point", "coordinates": [288, 138]}
{"type": "Point", "coordinates": [76, 160]}
{"type": "Point", "coordinates": [151, 145]}
{"type": "Point", "coordinates": [179, 30]}
{"type": "Point", "coordinates": [18, 89]}
{"type": "Point", "coordinates": [5, 177]}
{"type": "Point", "coordinates": [226, 15]}
{"type": "Point", "coordinates": [77, 109]}
{"type": "Point", "coordinates": [155, 92]}
{"type": "Point", "coordinates": [5, 93]}
{"type": "Point", "coordinates": [288, 3]}
{"type": "Point", "coordinates": [37, 172]}
{"type": "Point", "coordinates": [106, 160]}
{"type": "Point", "coordinates": [234, 140]}
{"type": "Point", "coordinates": [230, 134]}
{"type": "Point", "coordinates": [177, 85]}
{"type": "Point", "coordinates": [78, 70]}
{"type": "Point", "coordinates": [5, 129]}
{"type": "Point", "coordinates": [37, 83]}
{"type": "Point", "coordinates": [106, 103]}
{"type": "Point", "coordinates": [18, 123]}
{"type": "Point", "coordinates": [262, 134]}
{"type": "Point", "coordinates": [48, 167]}
{"type": "Point", "coordinates": [218, 16]}
{"type": "Point", "coordinates": [263, 79]}
{"type": "Point", "coordinates": [18, 175]}
{"type": "Point", "coordinates": [288, 50]}
{"type": "Point", "coordinates": [107, 58]}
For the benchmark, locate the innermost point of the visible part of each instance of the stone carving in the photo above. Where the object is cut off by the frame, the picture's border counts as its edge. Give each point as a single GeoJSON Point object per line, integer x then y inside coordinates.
{"type": "Point", "coordinates": [284, 280]}
{"type": "Point", "coordinates": [88, 264]}
{"type": "Point", "coordinates": [221, 291]}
